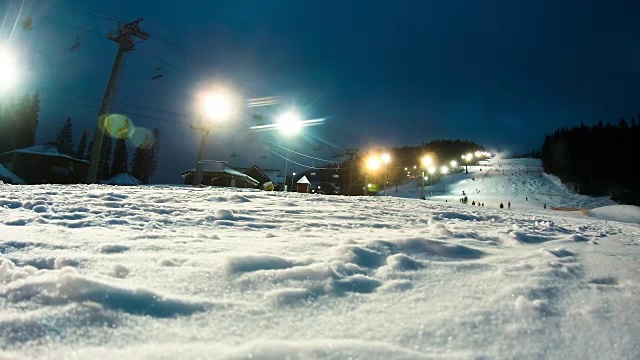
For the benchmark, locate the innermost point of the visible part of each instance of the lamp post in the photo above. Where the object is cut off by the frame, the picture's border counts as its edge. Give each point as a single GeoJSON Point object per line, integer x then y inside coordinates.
{"type": "Point", "coordinates": [289, 123]}
{"type": "Point", "coordinates": [467, 158]}
{"type": "Point", "coordinates": [432, 170]}
{"type": "Point", "coordinates": [386, 158]}
{"type": "Point", "coordinates": [373, 163]}
{"type": "Point", "coordinates": [214, 106]}
{"type": "Point", "coordinates": [426, 161]}
{"type": "Point", "coordinates": [293, 174]}
{"type": "Point", "coordinates": [444, 170]}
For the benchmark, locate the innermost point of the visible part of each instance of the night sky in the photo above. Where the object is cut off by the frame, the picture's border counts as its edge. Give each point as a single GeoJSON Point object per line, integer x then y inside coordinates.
{"type": "Point", "coordinates": [382, 73]}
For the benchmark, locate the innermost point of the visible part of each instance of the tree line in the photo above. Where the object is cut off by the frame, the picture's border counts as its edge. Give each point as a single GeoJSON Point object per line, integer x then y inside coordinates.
{"type": "Point", "coordinates": [443, 152]}
{"type": "Point", "coordinates": [19, 122]}
{"type": "Point", "coordinates": [594, 160]}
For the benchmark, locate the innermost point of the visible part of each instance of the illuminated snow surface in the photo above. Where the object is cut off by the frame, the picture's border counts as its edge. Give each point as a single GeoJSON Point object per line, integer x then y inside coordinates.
{"type": "Point", "coordinates": [174, 272]}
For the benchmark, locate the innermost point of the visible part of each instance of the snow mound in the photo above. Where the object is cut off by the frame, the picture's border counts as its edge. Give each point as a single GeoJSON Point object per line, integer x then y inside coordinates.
{"type": "Point", "coordinates": [620, 213]}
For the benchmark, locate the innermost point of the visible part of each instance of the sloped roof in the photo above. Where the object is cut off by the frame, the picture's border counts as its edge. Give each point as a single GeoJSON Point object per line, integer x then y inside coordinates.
{"type": "Point", "coordinates": [7, 175]}
{"type": "Point", "coordinates": [222, 167]}
{"type": "Point", "coordinates": [303, 180]}
{"type": "Point", "coordinates": [47, 149]}
{"type": "Point", "coordinates": [122, 179]}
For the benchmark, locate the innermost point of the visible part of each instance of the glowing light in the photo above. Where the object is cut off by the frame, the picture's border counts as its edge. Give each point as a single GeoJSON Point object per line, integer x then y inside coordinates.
{"type": "Point", "coordinates": [432, 170]}
{"type": "Point", "coordinates": [290, 123]}
{"type": "Point", "coordinates": [444, 169]}
{"type": "Point", "coordinates": [426, 160]}
{"type": "Point", "coordinates": [9, 69]}
{"type": "Point", "coordinates": [216, 105]}
{"type": "Point", "coordinates": [454, 163]}
{"type": "Point", "coordinates": [386, 158]}
{"type": "Point", "coordinates": [373, 163]}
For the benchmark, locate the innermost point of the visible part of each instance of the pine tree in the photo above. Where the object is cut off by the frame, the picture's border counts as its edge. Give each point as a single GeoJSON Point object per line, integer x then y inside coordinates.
{"type": "Point", "coordinates": [120, 158]}
{"type": "Point", "coordinates": [26, 121]}
{"type": "Point", "coordinates": [7, 136]}
{"type": "Point", "coordinates": [104, 164]}
{"type": "Point", "coordinates": [64, 137]}
{"type": "Point", "coordinates": [82, 146]}
{"type": "Point", "coordinates": [144, 162]}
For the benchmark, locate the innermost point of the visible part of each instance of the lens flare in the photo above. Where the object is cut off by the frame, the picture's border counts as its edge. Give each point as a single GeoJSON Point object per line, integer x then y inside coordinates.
{"type": "Point", "coordinates": [118, 126]}
{"type": "Point", "coordinates": [142, 138]}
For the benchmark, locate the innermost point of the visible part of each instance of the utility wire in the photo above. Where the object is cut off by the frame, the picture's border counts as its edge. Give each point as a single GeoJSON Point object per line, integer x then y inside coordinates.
{"type": "Point", "coordinates": [297, 153]}
{"type": "Point", "coordinates": [125, 113]}
{"type": "Point", "coordinates": [305, 166]}
{"type": "Point", "coordinates": [97, 13]}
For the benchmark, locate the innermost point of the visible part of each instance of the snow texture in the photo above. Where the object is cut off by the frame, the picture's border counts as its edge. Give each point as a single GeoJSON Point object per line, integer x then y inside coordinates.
{"type": "Point", "coordinates": [175, 272]}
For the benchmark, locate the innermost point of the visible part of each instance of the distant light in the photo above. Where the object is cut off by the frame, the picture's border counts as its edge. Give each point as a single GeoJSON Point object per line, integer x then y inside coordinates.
{"type": "Point", "coordinates": [426, 160]}
{"type": "Point", "coordinates": [454, 163]}
{"type": "Point", "coordinates": [289, 123]}
{"type": "Point", "coordinates": [444, 169]}
{"type": "Point", "coordinates": [386, 158]}
{"type": "Point", "coordinates": [426, 178]}
{"type": "Point", "coordinates": [432, 170]}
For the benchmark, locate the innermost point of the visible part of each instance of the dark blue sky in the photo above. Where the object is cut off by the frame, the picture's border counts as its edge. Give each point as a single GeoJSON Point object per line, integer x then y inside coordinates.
{"type": "Point", "coordinates": [501, 73]}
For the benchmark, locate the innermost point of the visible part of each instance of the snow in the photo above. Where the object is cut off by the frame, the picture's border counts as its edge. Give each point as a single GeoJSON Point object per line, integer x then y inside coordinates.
{"type": "Point", "coordinates": [176, 272]}
{"type": "Point", "coordinates": [303, 180]}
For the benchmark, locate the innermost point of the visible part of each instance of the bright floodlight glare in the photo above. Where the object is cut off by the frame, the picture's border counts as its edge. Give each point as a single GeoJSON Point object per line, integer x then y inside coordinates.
{"type": "Point", "coordinates": [427, 160]}
{"type": "Point", "coordinates": [289, 123]}
{"type": "Point", "coordinates": [386, 158]}
{"type": "Point", "coordinates": [454, 163]}
{"type": "Point", "coordinates": [432, 170]}
{"type": "Point", "coordinates": [9, 70]}
{"type": "Point", "coordinates": [444, 169]}
{"type": "Point", "coordinates": [216, 106]}
{"type": "Point", "coordinates": [373, 163]}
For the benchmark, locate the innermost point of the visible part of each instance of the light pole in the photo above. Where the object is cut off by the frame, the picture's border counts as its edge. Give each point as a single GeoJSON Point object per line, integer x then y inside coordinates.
{"type": "Point", "coordinates": [426, 161]}
{"type": "Point", "coordinates": [432, 170]}
{"type": "Point", "coordinates": [444, 170]}
{"type": "Point", "coordinates": [373, 163]}
{"type": "Point", "coordinates": [386, 158]}
{"type": "Point", "coordinates": [467, 158]}
{"type": "Point", "coordinates": [214, 106]}
{"type": "Point", "coordinates": [289, 124]}
{"type": "Point", "coordinates": [292, 176]}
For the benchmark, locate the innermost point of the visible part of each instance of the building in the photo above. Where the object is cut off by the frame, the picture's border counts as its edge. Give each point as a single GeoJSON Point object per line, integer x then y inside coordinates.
{"type": "Point", "coordinates": [8, 177]}
{"type": "Point", "coordinates": [303, 185]}
{"type": "Point", "coordinates": [45, 164]}
{"type": "Point", "coordinates": [219, 173]}
{"type": "Point", "coordinates": [264, 176]}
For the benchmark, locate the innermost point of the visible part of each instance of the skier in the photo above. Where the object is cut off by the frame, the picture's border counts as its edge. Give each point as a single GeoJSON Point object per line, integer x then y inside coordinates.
{"type": "Point", "coordinates": [473, 202]}
{"type": "Point", "coordinates": [509, 205]}
{"type": "Point", "coordinates": [545, 206]}
{"type": "Point", "coordinates": [501, 206]}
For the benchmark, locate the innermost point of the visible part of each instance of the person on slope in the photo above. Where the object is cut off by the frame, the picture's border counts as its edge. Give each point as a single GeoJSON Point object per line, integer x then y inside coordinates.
{"type": "Point", "coordinates": [501, 206]}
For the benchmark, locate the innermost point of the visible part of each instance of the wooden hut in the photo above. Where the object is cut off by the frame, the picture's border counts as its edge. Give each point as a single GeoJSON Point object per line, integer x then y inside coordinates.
{"type": "Point", "coordinates": [303, 185]}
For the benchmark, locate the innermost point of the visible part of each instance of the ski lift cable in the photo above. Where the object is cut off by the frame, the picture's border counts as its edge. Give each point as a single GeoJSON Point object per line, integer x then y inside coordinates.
{"type": "Point", "coordinates": [97, 13]}
{"type": "Point", "coordinates": [297, 153]}
{"type": "Point", "coordinates": [299, 164]}
{"type": "Point", "coordinates": [143, 116]}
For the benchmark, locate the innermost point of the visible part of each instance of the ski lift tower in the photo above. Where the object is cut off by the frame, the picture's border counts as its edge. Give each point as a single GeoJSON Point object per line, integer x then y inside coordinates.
{"type": "Point", "coordinates": [124, 37]}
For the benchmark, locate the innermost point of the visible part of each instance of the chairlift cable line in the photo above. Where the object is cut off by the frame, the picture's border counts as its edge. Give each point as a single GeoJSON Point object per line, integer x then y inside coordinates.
{"type": "Point", "coordinates": [305, 166]}
{"type": "Point", "coordinates": [297, 153]}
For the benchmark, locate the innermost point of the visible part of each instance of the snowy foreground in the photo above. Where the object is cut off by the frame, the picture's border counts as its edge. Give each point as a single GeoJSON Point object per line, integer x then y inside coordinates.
{"type": "Point", "coordinates": [162, 272]}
